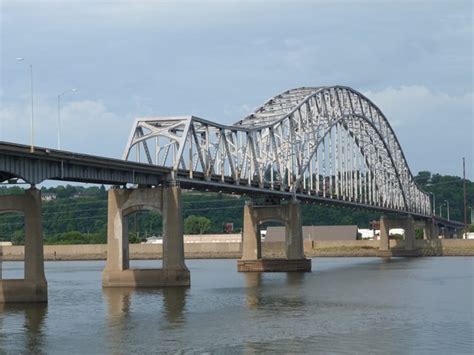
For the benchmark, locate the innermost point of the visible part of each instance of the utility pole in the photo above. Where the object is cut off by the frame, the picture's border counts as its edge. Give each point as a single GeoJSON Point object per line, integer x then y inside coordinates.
{"type": "Point", "coordinates": [465, 195]}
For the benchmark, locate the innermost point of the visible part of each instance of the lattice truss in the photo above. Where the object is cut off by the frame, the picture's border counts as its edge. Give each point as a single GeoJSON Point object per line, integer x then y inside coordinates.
{"type": "Point", "coordinates": [331, 142]}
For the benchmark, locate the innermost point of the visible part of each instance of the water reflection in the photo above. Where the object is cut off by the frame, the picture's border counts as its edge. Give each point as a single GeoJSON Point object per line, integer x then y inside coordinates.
{"type": "Point", "coordinates": [119, 300]}
{"type": "Point", "coordinates": [293, 300]}
{"type": "Point", "coordinates": [259, 295]}
{"type": "Point", "coordinates": [34, 319]}
{"type": "Point", "coordinates": [253, 281]}
{"type": "Point", "coordinates": [174, 304]}
{"type": "Point", "coordinates": [295, 279]}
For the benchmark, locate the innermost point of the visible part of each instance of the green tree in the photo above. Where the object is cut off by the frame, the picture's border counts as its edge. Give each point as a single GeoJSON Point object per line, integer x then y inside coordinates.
{"type": "Point", "coordinates": [196, 225]}
{"type": "Point", "coordinates": [18, 237]}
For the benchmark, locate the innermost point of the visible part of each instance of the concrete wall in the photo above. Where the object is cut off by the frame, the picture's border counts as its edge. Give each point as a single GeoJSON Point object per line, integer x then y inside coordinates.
{"type": "Point", "coordinates": [319, 233]}
{"type": "Point", "coordinates": [233, 250]}
{"type": "Point", "coordinates": [137, 251]}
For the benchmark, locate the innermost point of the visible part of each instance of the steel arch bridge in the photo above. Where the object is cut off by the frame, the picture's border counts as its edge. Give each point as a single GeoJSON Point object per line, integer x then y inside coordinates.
{"type": "Point", "coordinates": [331, 142]}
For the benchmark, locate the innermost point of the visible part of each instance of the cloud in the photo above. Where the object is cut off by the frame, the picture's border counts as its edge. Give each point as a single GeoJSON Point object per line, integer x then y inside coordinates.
{"type": "Point", "coordinates": [87, 126]}
{"type": "Point", "coordinates": [434, 128]}
{"type": "Point", "coordinates": [218, 60]}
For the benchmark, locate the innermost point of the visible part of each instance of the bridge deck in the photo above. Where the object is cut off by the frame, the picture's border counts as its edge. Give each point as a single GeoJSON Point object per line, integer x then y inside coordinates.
{"type": "Point", "coordinates": [16, 161]}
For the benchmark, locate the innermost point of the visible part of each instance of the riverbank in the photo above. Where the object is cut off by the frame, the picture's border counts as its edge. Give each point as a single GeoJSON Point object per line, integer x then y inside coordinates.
{"type": "Point", "coordinates": [232, 250]}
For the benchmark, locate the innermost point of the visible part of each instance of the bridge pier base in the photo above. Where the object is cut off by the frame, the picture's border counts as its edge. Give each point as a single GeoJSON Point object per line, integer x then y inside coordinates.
{"type": "Point", "coordinates": [122, 202]}
{"type": "Point", "coordinates": [408, 225]}
{"type": "Point", "coordinates": [289, 215]}
{"type": "Point", "coordinates": [33, 287]}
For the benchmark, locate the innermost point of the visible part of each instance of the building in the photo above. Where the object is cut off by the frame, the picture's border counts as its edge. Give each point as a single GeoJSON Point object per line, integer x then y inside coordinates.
{"type": "Point", "coordinates": [370, 234]}
{"type": "Point", "coordinates": [48, 196]}
{"type": "Point", "coordinates": [277, 234]}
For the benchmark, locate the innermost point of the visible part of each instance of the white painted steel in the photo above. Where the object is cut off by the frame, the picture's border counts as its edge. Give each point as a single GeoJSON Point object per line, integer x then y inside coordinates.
{"type": "Point", "coordinates": [325, 141]}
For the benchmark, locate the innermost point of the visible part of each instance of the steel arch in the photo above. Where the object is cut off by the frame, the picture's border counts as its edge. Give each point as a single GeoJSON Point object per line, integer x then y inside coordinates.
{"type": "Point", "coordinates": [327, 141]}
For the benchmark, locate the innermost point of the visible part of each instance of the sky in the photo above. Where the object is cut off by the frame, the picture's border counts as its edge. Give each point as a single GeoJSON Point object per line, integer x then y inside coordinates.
{"type": "Point", "coordinates": [221, 59]}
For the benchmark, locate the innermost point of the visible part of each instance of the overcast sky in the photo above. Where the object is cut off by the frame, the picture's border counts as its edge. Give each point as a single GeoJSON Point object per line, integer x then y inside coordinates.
{"type": "Point", "coordinates": [220, 59]}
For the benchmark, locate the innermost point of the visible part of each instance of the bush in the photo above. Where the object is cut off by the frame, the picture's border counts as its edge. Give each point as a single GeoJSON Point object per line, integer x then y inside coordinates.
{"type": "Point", "coordinates": [196, 225]}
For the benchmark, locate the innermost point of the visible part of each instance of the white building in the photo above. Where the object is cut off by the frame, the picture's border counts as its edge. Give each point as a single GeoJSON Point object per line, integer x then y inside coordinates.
{"type": "Point", "coordinates": [48, 196]}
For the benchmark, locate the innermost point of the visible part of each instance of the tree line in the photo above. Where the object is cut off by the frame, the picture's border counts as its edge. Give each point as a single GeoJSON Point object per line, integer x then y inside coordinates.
{"type": "Point", "coordinates": [78, 215]}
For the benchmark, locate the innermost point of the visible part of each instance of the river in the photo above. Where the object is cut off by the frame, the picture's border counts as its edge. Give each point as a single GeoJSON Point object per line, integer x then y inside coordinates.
{"type": "Point", "coordinates": [346, 305]}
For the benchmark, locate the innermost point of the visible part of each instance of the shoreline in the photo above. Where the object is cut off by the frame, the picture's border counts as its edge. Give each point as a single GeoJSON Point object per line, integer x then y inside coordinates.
{"type": "Point", "coordinates": [232, 250]}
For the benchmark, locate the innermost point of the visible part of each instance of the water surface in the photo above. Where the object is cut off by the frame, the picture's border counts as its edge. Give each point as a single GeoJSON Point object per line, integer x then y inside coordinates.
{"type": "Point", "coordinates": [346, 305]}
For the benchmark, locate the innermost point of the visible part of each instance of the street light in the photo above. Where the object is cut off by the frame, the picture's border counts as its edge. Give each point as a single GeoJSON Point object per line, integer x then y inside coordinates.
{"type": "Point", "coordinates": [447, 203]}
{"type": "Point", "coordinates": [59, 114]}
{"type": "Point", "coordinates": [32, 146]}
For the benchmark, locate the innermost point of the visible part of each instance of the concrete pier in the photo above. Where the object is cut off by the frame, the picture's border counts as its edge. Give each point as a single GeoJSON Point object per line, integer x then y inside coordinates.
{"type": "Point", "coordinates": [430, 229]}
{"type": "Point", "coordinates": [33, 287]}
{"type": "Point", "coordinates": [123, 202]}
{"type": "Point", "coordinates": [285, 213]}
{"type": "Point", "coordinates": [408, 225]}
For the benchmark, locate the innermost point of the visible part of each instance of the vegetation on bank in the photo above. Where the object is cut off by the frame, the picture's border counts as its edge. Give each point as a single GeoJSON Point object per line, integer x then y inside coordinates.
{"type": "Point", "coordinates": [78, 215]}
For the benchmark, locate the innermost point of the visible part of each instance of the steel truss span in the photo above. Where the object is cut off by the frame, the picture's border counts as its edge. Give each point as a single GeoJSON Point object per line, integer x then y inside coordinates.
{"type": "Point", "coordinates": [331, 142]}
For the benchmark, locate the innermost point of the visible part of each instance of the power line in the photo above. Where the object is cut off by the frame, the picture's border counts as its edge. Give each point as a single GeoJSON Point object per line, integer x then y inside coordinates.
{"type": "Point", "coordinates": [16, 214]}
{"type": "Point", "coordinates": [97, 218]}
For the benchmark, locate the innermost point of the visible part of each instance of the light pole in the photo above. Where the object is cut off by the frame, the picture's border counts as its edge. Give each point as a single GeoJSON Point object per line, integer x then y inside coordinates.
{"type": "Point", "coordinates": [440, 210]}
{"type": "Point", "coordinates": [59, 114]}
{"type": "Point", "coordinates": [472, 214]}
{"type": "Point", "coordinates": [447, 204]}
{"type": "Point", "coordinates": [32, 145]}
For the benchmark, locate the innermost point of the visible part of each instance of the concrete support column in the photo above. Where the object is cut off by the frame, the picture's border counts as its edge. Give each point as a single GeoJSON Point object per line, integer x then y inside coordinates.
{"type": "Point", "coordinates": [294, 233]}
{"type": "Point", "coordinates": [289, 215]}
{"type": "Point", "coordinates": [117, 230]}
{"type": "Point", "coordinates": [384, 234]}
{"type": "Point", "coordinates": [33, 287]}
{"type": "Point", "coordinates": [124, 202]}
{"type": "Point", "coordinates": [410, 236]}
{"type": "Point", "coordinates": [251, 240]}
{"type": "Point", "coordinates": [426, 231]}
{"type": "Point", "coordinates": [34, 258]}
{"type": "Point", "coordinates": [173, 242]}
{"type": "Point", "coordinates": [408, 225]}
{"type": "Point", "coordinates": [430, 230]}
{"type": "Point", "coordinates": [435, 231]}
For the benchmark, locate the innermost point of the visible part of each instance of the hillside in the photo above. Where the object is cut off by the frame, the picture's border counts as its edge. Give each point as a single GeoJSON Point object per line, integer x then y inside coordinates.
{"type": "Point", "coordinates": [78, 215]}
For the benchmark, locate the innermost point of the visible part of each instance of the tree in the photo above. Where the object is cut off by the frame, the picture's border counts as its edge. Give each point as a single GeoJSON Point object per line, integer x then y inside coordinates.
{"type": "Point", "coordinates": [423, 177]}
{"type": "Point", "coordinates": [196, 225]}
{"type": "Point", "coordinates": [18, 237]}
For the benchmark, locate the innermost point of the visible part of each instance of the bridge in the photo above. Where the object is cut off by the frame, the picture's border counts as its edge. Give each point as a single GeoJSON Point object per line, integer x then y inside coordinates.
{"type": "Point", "coordinates": [325, 145]}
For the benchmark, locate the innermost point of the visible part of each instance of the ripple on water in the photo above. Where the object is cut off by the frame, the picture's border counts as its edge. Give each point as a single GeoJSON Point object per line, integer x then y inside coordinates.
{"type": "Point", "coordinates": [360, 305]}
